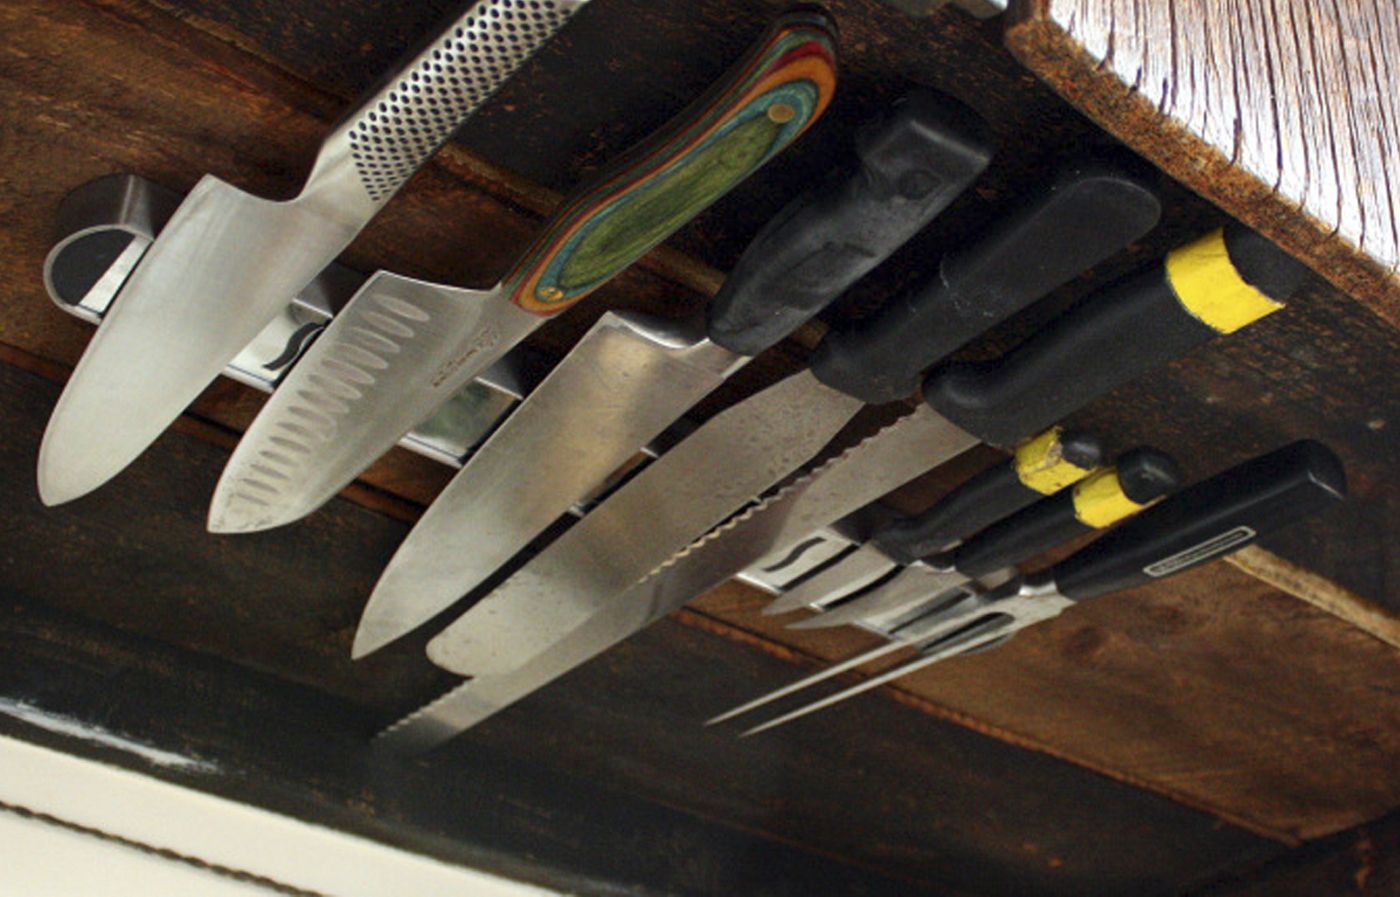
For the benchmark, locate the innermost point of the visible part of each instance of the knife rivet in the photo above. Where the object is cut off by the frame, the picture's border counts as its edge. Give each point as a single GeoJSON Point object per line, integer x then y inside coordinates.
{"type": "Point", "coordinates": [549, 294]}
{"type": "Point", "coordinates": [781, 113]}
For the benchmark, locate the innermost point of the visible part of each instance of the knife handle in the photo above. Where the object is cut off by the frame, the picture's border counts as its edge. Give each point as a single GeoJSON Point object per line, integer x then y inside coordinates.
{"type": "Point", "coordinates": [912, 164]}
{"type": "Point", "coordinates": [1084, 216]}
{"type": "Point", "coordinates": [761, 105]}
{"type": "Point", "coordinates": [1212, 518]}
{"type": "Point", "coordinates": [1039, 467]}
{"type": "Point", "coordinates": [1141, 476]}
{"type": "Point", "coordinates": [424, 100]}
{"type": "Point", "coordinates": [1216, 284]}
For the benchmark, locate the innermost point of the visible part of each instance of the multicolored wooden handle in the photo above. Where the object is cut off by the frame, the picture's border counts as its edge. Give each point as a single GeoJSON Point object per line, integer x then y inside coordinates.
{"type": "Point", "coordinates": [763, 104]}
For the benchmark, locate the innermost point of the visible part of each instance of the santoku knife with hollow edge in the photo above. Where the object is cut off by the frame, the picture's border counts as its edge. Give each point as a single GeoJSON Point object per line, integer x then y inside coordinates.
{"type": "Point", "coordinates": [227, 262]}
{"type": "Point", "coordinates": [1209, 520]}
{"type": "Point", "coordinates": [1214, 285]}
{"type": "Point", "coordinates": [631, 376]}
{"type": "Point", "coordinates": [401, 346]}
{"type": "Point", "coordinates": [743, 451]}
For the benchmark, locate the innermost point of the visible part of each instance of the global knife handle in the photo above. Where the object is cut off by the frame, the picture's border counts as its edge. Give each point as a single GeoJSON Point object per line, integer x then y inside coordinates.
{"type": "Point", "coordinates": [1039, 467]}
{"type": "Point", "coordinates": [912, 164]}
{"type": "Point", "coordinates": [1212, 518]}
{"type": "Point", "coordinates": [1141, 476]}
{"type": "Point", "coordinates": [1084, 216]}
{"type": "Point", "coordinates": [412, 111]}
{"type": "Point", "coordinates": [761, 105]}
{"type": "Point", "coordinates": [1216, 284]}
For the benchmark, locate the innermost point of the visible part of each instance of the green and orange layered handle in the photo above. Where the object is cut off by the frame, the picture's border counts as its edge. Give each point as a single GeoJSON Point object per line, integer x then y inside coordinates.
{"type": "Point", "coordinates": [762, 104]}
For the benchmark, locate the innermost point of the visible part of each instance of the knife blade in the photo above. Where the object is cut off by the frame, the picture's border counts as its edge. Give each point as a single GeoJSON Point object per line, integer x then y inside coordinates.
{"type": "Point", "coordinates": [401, 346]}
{"type": "Point", "coordinates": [228, 261]}
{"type": "Point", "coordinates": [1206, 521]}
{"type": "Point", "coordinates": [629, 377]}
{"type": "Point", "coordinates": [1216, 284]}
{"type": "Point", "coordinates": [1039, 467]}
{"type": "Point", "coordinates": [1141, 477]}
{"type": "Point", "coordinates": [746, 449]}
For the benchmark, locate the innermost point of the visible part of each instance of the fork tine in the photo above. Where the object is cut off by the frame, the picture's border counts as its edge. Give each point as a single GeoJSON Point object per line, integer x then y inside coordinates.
{"type": "Point", "coordinates": [819, 676]}
{"type": "Point", "coordinates": [849, 573]}
{"type": "Point", "coordinates": [977, 635]}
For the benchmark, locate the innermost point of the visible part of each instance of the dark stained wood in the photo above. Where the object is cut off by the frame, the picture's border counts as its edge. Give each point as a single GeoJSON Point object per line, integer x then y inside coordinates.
{"type": "Point", "coordinates": [1362, 861]}
{"type": "Point", "coordinates": [236, 650]}
{"type": "Point", "coordinates": [243, 90]}
{"type": "Point", "coordinates": [1284, 112]}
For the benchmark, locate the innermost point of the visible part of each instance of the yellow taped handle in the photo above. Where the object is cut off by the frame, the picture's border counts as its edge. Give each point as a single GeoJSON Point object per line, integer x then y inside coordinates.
{"type": "Point", "coordinates": [1042, 466]}
{"type": "Point", "coordinates": [1210, 287]}
{"type": "Point", "coordinates": [1099, 500]}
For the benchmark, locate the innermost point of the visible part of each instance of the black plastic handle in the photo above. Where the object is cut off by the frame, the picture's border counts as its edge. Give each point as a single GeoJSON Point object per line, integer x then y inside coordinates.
{"type": "Point", "coordinates": [1086, 215]}
{"type": "Point", "coordinates": [994, 493]}
{"type": "Point", "coordinates": [1143, 476]}
{"type": "Point", "coordinates": [1118, 334]}
{"type": "Point", "coordinates": [1207, 520]}
{"type": "Point", "coordinates": [912, 164]}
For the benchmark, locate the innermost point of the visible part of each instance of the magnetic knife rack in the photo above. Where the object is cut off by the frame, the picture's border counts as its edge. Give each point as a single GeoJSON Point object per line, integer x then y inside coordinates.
{"type": "Point", "coordinates": [106, 225]}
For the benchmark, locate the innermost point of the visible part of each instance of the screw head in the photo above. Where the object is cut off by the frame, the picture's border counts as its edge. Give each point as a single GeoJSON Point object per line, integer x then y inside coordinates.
{"type": "Point", "coordinates": [549, 294]}
{"type": "Point", "coordinates": [781, 113]}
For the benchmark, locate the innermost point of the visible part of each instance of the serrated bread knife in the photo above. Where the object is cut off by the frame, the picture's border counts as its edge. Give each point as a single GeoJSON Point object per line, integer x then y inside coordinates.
{"type": "Point", "coordinates": [1214, 285]}
{"type": "Point", "coordinates": [401, 347]}
{"type": "Point", "coordinates": [744, 450]}
{"type": "Point", "coordinates": [1209, 520]}
{"type": "Point", "coordinates": [630, 376]}
{"type": "Point", "coordinates": [228, 262]}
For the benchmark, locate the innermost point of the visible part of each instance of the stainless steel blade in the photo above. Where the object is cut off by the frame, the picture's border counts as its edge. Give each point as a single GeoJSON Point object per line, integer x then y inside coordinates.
{"type": "Point", "coordinates": [839, 486]}
{"type": "Point", "coordinates": [911, 586]}
{"type": "Point", "coordinates": [975, 636]}
{"type": "Point", "coordinates": [397, 351]}
{"type": "Point", "coordinates": [627, 380]}
{"type": "Point", "coordinates": [735, 456]}
{"type": "Point", "coordinates": [853, 571]}
{"type": "Point", "coordinates": [228, 261]}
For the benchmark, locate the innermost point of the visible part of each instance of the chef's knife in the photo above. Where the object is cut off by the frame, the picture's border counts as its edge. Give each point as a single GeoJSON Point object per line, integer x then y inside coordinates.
{"type": "Point", "coordinates": [1141, 477]}
{"type": "Point", "coordinates": [1209, 520]}
{"type": "Point", "coordinates": [630, 376]}
{"type": "Point", "coordinates": [227, 262]}
{"type": "Point", "coordinates": [745, 449]}
{"type": "Point", "coordinates": [401, 347]}
{"type": "Point", "coordinates": [1039, 467]}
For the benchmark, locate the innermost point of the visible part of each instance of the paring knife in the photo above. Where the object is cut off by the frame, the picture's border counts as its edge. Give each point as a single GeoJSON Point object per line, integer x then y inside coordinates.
{"type": "Point", "coordinates": [401, 347]}
{"type": "Point", "coordinates": [1141, 477]}
{"type": "Point", "coordinates": [1211, 519]}
{"type": "Point", "coordinates": [1216, 284]}
{"type": "Point", "coordinates": [227, 262]}
{"type": "Point", "coordinates": [630, 376]}
{"type": "Point", "coordinates": [1013, 540]}
{"type": "Point", "coordinates": [744, 450]}
{"type": "Point", "coordinates": [1039, 467]}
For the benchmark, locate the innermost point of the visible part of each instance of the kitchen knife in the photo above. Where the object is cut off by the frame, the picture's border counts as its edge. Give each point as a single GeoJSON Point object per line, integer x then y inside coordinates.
{"type": "Point", "coordinates": [1209, 520]}
{"type": "Point", "coordinates": [1103, 499]}
{"type": "Point", "coordinates": [1141, 477]}
{"type": "Point", "coordinates": [228, 262]}
{"type": "Point", "coordinates": [630, 377]}
{"type": "Point", "coordinates": [744, 450]}
{"type": "Point", "coordinates": [401, 347]}
{"type": "Point", "coordinates": [1039, 467]}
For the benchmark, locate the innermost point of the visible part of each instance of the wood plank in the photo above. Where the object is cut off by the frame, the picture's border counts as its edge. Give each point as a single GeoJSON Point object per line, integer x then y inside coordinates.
{"type": "Point", "coordinates": [1364, 861]}
{"type": "Point", "coordinates": [237, 650]}
{"type": "Point", "coordinates": [1283, 112]}
{"type": "Point", "coordinates": [174, 99]}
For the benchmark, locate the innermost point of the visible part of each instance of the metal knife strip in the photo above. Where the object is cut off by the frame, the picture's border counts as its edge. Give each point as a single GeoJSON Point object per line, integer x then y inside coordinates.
{"type": "Point", "coordinates": [107, 224]}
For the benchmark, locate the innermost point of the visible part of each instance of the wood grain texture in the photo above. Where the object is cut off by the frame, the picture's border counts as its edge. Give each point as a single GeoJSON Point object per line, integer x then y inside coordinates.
{"type": "Point", "coordinates": [1286, 113]}
{"type": "Point", "coordinates": [247, 89]}
{"type": "Point", "coordinates": [237, 650]}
